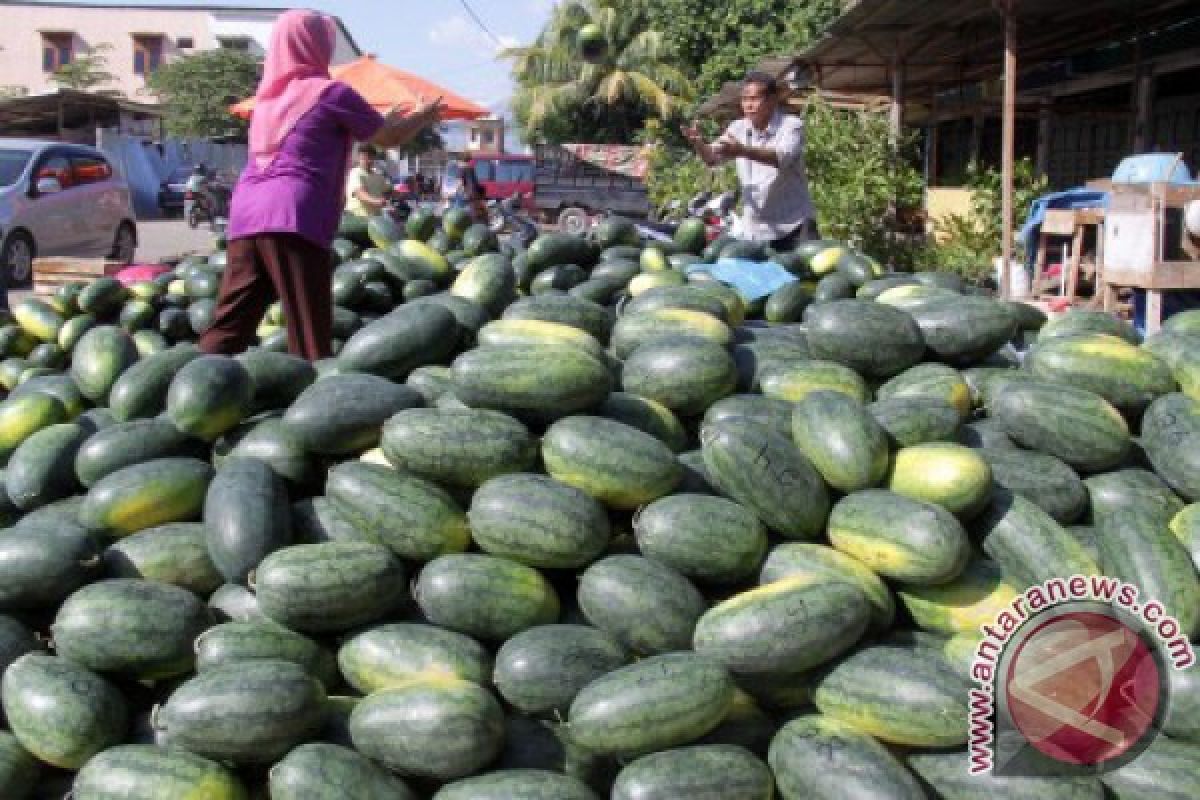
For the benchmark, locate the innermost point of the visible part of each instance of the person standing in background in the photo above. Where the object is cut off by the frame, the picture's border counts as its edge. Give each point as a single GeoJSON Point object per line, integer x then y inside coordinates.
{"type": "Point", "coordinates": [768, 147]}
{"type": "Point", "coordinates": [366, 186]}
{"type": "Point", "coordinates": [288, 201]}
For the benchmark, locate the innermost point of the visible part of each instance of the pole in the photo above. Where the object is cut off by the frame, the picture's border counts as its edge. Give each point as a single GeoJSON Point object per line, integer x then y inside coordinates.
{"type": "Point", "coordinates": [897, 110]}
{"type": "Point", "coordinates": [1008, 142]}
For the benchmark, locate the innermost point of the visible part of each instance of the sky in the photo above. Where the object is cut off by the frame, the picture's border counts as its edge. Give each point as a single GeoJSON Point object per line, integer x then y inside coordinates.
{"type": "Point", "coordinates": [436, 39]}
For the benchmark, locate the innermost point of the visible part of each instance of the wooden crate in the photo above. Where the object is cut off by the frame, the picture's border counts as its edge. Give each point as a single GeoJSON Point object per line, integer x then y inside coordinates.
{"type": "Point", "coordinates": [51, 273]}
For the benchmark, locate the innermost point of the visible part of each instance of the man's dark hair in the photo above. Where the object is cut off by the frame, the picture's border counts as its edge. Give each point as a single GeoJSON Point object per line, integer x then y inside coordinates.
{"type": "Point", "coordinates": [768, 82]}
{"type": "Point", "coordinates": [368, 149]}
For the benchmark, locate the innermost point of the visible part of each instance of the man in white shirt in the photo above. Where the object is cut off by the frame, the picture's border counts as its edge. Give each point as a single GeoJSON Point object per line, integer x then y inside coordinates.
{"type": "Point", "coordinates": [365, 185]}
{"type": "Point", "coordinates": [768, 147]}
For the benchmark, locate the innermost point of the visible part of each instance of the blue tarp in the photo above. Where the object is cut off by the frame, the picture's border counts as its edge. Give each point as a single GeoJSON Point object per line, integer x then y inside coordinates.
{"type": "Point", "coordinates": [751, 279]}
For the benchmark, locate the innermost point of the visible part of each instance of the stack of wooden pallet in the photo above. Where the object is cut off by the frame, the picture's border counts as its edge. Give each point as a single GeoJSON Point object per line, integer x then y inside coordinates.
{"type": "Point", "coordinates": [51, 273]}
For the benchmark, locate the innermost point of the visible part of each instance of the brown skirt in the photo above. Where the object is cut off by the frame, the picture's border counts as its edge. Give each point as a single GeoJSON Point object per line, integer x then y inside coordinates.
{"type": "Point", "coordinates": [261, 268]}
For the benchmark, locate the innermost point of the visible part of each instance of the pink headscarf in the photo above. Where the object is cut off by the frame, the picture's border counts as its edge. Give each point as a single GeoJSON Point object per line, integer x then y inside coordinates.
{"type": "Point", "coordinates": [295, 74]}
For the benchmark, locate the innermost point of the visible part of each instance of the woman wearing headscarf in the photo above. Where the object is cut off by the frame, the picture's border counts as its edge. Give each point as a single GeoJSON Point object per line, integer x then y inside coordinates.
{"type": "Point", "coordinates": [285, 210]}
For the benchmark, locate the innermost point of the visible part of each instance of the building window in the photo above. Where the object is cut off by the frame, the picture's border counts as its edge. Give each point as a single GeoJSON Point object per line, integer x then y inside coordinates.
{"type": "Point", "coordinates": [147, 53]}
{"type": "Point", "coordinates": [241, 43]}
{"type": "Point", "coordinates": [57, 50]}
{"type": "Point", "coordinates": [185, 43]}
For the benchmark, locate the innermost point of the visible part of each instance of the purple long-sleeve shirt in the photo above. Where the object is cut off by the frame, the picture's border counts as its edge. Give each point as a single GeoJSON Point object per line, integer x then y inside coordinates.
{"type": "Point", "coordinates": [303, 190]}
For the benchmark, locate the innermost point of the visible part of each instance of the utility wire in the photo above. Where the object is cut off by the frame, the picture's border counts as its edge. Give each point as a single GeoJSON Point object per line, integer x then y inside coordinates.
{"type": "Point", "coordinates": [467, 7]}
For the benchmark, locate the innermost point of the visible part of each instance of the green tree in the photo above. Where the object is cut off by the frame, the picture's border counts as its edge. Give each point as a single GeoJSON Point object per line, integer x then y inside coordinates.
{"type": "Point", "coordinates": [197, 91]}
{"type": "Point", "coordinates": [861, 177]}
{"type": "Point", "coordinates": [718, 42]}
{"type": "Point", "coordinates": [973, 239]}
{"type": "Point", "coordinates": [560, 97]}
{"type": "Point", "coordinates": [87, 71]}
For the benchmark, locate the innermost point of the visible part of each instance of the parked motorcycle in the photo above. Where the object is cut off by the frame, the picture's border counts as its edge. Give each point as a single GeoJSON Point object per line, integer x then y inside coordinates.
{"type": "Point", "coordinates": [508, 217]}
{"type": "Point", "coordinates": [207, 204]}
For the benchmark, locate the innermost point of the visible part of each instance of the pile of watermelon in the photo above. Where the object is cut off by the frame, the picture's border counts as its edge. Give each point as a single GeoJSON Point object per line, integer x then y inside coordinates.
{"type": "Point", "coordinates": [568, 523]}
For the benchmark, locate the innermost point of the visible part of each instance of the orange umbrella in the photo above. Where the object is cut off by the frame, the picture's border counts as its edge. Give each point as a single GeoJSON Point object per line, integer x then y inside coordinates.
{"type": "Point", "coordinates": [384, 87]}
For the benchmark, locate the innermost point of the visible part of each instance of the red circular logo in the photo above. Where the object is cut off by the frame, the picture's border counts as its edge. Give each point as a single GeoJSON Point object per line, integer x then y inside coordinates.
{"type": "Point", "coordinates": [1083, 688]}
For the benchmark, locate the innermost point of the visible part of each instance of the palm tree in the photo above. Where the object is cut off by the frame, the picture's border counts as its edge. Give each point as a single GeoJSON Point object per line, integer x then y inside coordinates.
{"type": "Point", "coordinates": [559, 94]}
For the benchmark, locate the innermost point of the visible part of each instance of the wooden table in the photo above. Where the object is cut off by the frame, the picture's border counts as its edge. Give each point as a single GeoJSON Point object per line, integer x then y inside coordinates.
{"type": "Point", "coordinates": [1062, 222]}
{"type": "Point", "coordinates": [49, 273]}
{"type": "Point", "coordinates": [1168, 276]}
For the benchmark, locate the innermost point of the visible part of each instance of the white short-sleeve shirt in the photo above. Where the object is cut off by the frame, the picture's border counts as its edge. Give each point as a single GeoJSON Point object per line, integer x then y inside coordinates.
{"type": "Point", "coordinates": [774, 201]}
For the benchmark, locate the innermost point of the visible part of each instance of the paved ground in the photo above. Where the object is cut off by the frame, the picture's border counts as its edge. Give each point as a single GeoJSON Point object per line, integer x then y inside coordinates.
{"type": "Point", "coordinates": [159, 239]}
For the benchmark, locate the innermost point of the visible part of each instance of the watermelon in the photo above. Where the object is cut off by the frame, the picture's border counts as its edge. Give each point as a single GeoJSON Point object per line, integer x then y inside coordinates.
{"type": "Point", "coordinates": [1079, 320]}
{"type": "Point", "coordinates": [646, 415]}
{"type": "Point", "coordinates": [565, 310]}
{"type": "Point", "coordinates": [617, 464]}
{"type": "Point", "coordinates": [484, 596]}
{"type": "Point", "coordinates": [910, 421]}
{"type": "Point", "coordinates": [404, 727]}
{"type": "Point", "coordinates": [845, 443]}
{"type": "Point", "coordinates": [533, 784]}
{"type": "Point", "coordinates": [393, 654]}
{"type": "Point", "coordinates": [99, 358]}
{"type": "Point", "coordinates": [636, 328]}
{"type": "Point", "coordinates": [141, 390]}
{"type": "Point", "coordinates": [646, 606]}
{"type": "Point", "coordinates": [873, 339]}
{"type": "Point", "coordinates": [42, 469]}
{"type": "Point", "coordinates": [950, 475]}
{"type": "Point", "coordinates": [754, 466]}
{"type": "Point", "coordinates": [538, 521]}
{"type": "Point", "coordinates": [1137, 546]}
{"type": "Point", "coordinates": [963, 330]}
{"type": "Point", "coordinates": [246, 516]}
{"type": "Point", "coordinates": [209, 395]}
{"type": "Point", "coordinates": [1170, 429]}
{"type": "Point", "coordinates": [433, 443]}
{"type": "Point", "coordinates": [278, 378]}
{"type": "Point", "coordinates": [660, 702]}
{"type": "Point", "coordinates": [395, 344]}
{"type": "Point", "coordinates": [43, 562]}
{"type": "Point", "coordinates": [542, 669]}
{"type": "Point", "coordinates": [413, 517]}
{"type": "Point", "coordinates": [1127, 376]}
{"type": "Point", "coordinates": [898, 537]}
{"type": "Point", "coordinates": [708, 539]}
{"type": "Point", "coordinates": [364, 404]}
{"type": "Point", "coordinates": [146, 495]}
{"type": "Point", "coordinates": [784, 627]}
{"type": "Point", "coordinates": [900, 695]}
{"type": "Point", "coordinates": [60, 712]}
{"type": "Point", "coordinates": [1042, 479]}
{"type": "Point", "coordinates": [685, 375]}
{"type": "Point", "coordinates": [254, 640]}
{"type": "Point", "coordinates": [544, 382]}
{"type": "Point", "coordinates": [321, 769]}
{"type": "Point", "coordinates": [819, 757]}
{"type": "Point", "coordinates": [330, 586]}
{"type": "Point", "coordinates": [131, 627]}
{"type": "Point", "coordinates": [976, 597]}
{"type": "Point", "coordinates": [128, 444]}
{"type": "Point", "coordinates": [1029, 544]}
{"type": "Point", "coordinates": [793, 381]}
{"type": "Point", "coordinates": [711, 771]}
{"type": "Point", "coordinates": [251, 712]}
{"type": "Point", "coordinates": [816, 562]}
